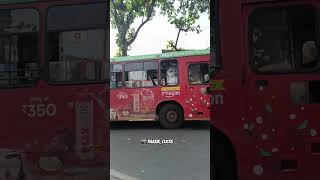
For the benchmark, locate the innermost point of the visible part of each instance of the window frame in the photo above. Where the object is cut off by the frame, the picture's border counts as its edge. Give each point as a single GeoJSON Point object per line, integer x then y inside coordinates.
{"type": "Point", "coordinates": [47, 62]}
{"type": "Point", "coordinates": [39, 63]}
{"type": "Point", "coordinates": [198, 63]}
{"type": "Point", "coordinates": [143, 61]}
{"type": "Point", "coordinates": [178, 79]}
{"type": "Point", "coordinates": [250, 25]}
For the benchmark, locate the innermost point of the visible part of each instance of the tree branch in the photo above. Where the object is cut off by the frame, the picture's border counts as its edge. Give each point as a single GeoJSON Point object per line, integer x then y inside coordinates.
{"type": "Point", "coordinates": [149, 14]}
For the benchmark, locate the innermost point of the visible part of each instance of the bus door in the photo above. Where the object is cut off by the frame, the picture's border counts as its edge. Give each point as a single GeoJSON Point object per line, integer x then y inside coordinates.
{"type": "Point", "coordinates": [198, 79]}
{"type": "Point", "coordinates": [283, 85]}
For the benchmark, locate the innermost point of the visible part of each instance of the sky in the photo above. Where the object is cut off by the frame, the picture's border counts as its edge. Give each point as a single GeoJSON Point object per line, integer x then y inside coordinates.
{"type": "Point", "coordinates": [153, 37]}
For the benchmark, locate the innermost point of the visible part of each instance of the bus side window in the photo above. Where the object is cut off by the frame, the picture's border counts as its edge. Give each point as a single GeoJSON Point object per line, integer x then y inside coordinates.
{"type": "Point", "coordinates": [116, 76]}
{"type": "Point", "coordinates": [151, 70]}
{"type": "Point", "coordinates": [169, 72]}
{"type": "Point", "coordinates": [76, 53]}
{"type": "Point", "coordinates": [198, 73]}
{"type": "Point", "coordinates": [19, 47]}
{"type": "Point", "coordinates": [134, 74]}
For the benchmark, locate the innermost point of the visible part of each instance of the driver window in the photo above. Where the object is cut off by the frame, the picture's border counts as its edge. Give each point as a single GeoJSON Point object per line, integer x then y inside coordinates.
{"type": "Point", "coordinates": [284, 39]}
{"type": "Point", "coordinates": [169, 72]}
{"type": "Point", "coordinates": [199, 73]}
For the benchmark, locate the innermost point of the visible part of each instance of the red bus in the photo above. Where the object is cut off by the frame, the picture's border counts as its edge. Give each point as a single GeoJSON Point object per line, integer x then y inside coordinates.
{"type": "Point", "coordinates": [266, 71]}
{"type": "Point", "coordinates": [169, 87]}
{"type": "Point", "coordinates": [53, 89]}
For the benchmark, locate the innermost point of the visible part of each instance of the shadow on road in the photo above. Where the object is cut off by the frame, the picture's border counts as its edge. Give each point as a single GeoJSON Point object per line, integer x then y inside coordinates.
{"type": "Point", "coordinates": [156, 125]}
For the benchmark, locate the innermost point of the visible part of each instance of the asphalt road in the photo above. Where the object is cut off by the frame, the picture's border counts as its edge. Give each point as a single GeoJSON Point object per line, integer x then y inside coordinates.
{"type": "Point", "coordinates": [185, 157]}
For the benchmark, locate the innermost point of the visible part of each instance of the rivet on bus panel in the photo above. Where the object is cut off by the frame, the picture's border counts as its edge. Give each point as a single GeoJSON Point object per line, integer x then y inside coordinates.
{"type": "Point", "coordinates": [313, 132]}
{"type": "Point", "coordinates": [258, 170]}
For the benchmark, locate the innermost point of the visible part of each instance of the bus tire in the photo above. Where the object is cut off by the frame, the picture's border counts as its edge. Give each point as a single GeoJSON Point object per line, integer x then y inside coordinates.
{"type": "Point", "coordinates": [171, 116]}
{"type": "Point", "coordinates": [222, 160]}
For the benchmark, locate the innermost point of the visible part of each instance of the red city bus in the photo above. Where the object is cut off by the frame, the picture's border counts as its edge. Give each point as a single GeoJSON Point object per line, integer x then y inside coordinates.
{"type": "Point", "coordinates": [266, 75]}
{"type": "Point", "coordinates": [170, 87]}
{"type": "Point", "coordinates": [52, 85]}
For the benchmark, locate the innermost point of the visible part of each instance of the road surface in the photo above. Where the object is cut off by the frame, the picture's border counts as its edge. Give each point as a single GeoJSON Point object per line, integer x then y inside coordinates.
{"type": "Point", "coordinates": [184, 154]}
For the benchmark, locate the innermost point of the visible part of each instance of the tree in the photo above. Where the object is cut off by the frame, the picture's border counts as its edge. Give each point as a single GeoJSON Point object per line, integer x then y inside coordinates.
{"type": "Point", "coordinates": [184, 14]}
{"type": "Point", "coordinates": [124, 13]}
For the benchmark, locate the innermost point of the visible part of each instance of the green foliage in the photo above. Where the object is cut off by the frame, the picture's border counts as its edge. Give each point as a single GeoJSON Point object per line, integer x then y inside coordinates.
{"type": "Point", "coordinates": [184, 14]}
{"type": "Point", "coordinates": [171, 46]}
{"type": "Point", "coordinates": [123, 13]}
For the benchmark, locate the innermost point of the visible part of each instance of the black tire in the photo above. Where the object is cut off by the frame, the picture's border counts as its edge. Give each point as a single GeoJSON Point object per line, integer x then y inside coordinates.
{"type": "Point", "coordinates": [222, 159]}
{"type": "Point", "coordinates": [171, 116]}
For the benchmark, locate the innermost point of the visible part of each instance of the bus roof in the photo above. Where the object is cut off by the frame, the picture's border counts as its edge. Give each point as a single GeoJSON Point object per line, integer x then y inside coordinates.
{"type": "Point", "coordinates": [162, 55]}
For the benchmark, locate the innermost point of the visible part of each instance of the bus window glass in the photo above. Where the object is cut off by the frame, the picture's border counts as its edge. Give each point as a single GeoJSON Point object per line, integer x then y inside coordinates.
{"type": "Point", "coordinates": [77, 43]}
{"type": "Point", "coordinates": [198, 73]}
{"type": "Point", "coordinates": [151, 69]}
{"type": "Point", "coordinates": [19, 48]}
{"type": "Point", "coordinates": [116, 76]}
{"type": "Point", "coordinates": [284, 40]}
{"type": "Point", "coordinates": [141, 74]}
{"type": "Point", "coordinates": [169, 72]}
{"type": "Point", "coordinates": [134, 74]}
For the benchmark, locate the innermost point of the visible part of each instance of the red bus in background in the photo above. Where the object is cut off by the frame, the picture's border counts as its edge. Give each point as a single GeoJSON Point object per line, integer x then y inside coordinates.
{"type": "Point", "coordinates": [169, 87]}
{"type": "Point", "coordinates": [53, 90]}
{"type": "Point", "coordinates": [267, 72]}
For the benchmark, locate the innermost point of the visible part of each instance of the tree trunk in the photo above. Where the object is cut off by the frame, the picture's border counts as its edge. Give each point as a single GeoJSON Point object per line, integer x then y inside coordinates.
{"type": "Point", "coordinates": [123, 44]}
{"type": "Point", "coordinates": [176, 44]}
{"type": "Point", "coordinates": [124, 51]}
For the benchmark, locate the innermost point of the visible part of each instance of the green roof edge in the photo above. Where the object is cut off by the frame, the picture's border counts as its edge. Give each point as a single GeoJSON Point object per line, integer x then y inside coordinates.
{"type": "Point", "coordinates": [162, 55]}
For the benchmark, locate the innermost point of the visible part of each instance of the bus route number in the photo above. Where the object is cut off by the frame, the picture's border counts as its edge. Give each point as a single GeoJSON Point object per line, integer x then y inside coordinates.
{"type": "Point", "coordinates": [39, 110]}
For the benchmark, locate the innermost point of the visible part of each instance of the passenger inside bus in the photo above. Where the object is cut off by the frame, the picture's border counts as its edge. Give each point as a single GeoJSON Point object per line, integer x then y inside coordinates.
{"type": "Point", "coordinates": [309, 53]}
{"type": "Point", "coordinates": [169, 72]}
{"type": "Point", "coordinates": [206, 78]}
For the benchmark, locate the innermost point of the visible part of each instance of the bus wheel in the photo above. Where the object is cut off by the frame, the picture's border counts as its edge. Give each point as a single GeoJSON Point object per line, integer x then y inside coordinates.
{"type": "Point", "coordinates": [171, 116]}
